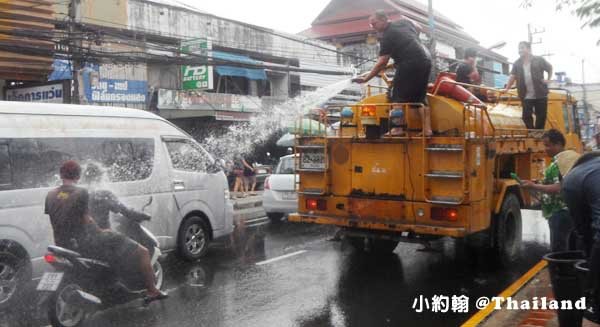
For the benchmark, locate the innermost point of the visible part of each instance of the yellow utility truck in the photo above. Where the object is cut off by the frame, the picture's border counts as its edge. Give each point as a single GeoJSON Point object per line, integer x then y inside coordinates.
{"type": "Point", "coordinates": [383, 182]}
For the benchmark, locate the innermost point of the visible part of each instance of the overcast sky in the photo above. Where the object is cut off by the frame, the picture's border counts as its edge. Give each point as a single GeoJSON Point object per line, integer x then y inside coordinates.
{"type": "Point", "coordinates": [489, 21]}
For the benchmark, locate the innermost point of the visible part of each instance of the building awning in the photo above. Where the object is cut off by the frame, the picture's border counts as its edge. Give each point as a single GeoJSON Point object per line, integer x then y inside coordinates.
{"type": "Point", "coordinates": [249, 73]}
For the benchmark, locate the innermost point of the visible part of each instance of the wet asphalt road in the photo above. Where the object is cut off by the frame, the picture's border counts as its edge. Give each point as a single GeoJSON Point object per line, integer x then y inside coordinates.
{"type": "Point", "coordinates": [324, 283]}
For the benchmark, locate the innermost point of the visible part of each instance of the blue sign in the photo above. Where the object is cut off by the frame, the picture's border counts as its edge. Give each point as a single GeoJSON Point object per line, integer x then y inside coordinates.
{"type": "Point", "coordinates": [61, 70]}
{"type": "Point", "coordinates": [107, 90]}
{"type": "Point", "coordinates": [500, 80]}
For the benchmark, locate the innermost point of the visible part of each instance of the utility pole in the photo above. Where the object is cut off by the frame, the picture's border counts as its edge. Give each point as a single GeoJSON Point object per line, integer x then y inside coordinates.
{"type": "Point", "coordinates": [432, 47]}
{"type": "Point", "coordinates": [585, 104]}
{"type": "Point", "coordinates": [531, 32]}
{"type": "Point", "coordinates": [74, 46]}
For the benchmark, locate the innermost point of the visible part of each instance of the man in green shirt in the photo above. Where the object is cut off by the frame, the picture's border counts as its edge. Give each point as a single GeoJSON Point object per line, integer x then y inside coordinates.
{"type": "Point", "coordinates": [554, 208]}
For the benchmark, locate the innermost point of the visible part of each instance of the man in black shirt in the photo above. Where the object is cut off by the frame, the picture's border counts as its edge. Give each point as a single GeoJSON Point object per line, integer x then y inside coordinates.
{"type": "Point", "coordinates": [103, 202]}
{"type": "Point", "coordinates": [67, 207]}
{"type": "Point", "coordinates": [467, 73]}
{"type": "Point", "coordinates": [581, 191]}
{"type": "Point", "coordinates": [400, 41]}
{"type": "Point", "coordinates": [74, 228]}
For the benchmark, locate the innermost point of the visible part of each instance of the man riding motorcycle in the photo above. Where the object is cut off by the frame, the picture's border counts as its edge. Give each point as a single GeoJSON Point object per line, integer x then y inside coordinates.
{"type": "Point", "coordinates": [69, 209]}
{"type": "Point", "coordinates": [103, 202]}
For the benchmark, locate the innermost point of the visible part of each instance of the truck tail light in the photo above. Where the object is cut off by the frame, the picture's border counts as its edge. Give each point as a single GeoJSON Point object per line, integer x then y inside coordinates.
{"type": "Point", "coordinates": [368, 111]}
{"type": "Point", "coordinates": [267, 184]}
{"type": "Point", "coordinates": [448, 214]}
{"type": "Point", "coordinates": [316, 204]}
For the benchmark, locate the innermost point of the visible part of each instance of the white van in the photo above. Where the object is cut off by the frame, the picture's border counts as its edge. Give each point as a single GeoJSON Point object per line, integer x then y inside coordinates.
{"type": "Point", "coordinates": [143, 155]}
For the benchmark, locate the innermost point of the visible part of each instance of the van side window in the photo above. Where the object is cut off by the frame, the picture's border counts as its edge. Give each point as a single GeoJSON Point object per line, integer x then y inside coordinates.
{"type": "Point", "coordinates": [35, 163]}
{"type": "Point", "coordinates": [125, 160]}
{"type": "Point", "coordinates": [25, 158]}
{"type": "Point", "coordinates": [186, 156]}
{"type": "Point", "coordinates": [5, 172]}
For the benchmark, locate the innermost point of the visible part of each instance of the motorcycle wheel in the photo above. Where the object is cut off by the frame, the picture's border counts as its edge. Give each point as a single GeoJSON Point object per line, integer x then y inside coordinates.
{"type": "Point", "coordinates": [62, 312]}
{"type": "Point", "coordinates": [159, 274]}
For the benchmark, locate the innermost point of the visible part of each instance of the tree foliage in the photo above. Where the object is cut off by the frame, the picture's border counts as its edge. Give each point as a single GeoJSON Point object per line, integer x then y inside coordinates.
{"type": "Point", "coordinates": [587, 10]}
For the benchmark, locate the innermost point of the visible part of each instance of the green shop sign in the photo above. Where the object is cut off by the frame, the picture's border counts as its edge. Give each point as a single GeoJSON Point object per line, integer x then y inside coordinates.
{"type": "Point", "coordinates": [197, 77]}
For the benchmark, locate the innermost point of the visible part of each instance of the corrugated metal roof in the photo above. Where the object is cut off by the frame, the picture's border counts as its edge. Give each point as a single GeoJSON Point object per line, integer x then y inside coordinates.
{"type": "Point", "coordinates": [320, 80]}
{"type": "Point", "coordinates": [365, 8]}
{"type": "Point", "coordinates": [175, 3]}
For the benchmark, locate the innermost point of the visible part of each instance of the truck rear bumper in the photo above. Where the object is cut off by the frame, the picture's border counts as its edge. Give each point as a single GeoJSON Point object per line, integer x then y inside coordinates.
{"type": "Point", "coordinates": [378, 225]}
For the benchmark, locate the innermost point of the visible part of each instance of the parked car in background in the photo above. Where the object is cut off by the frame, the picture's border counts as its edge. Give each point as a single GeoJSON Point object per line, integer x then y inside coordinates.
{"type": "Point", "coordinates": [280, 197]}
{"type": "Point", "coordinates": [262, 172]}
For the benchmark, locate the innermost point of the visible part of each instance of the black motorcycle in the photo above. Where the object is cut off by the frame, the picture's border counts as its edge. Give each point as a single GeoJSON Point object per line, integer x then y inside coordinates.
{"type": "Point", "coordinates": [81, 285]}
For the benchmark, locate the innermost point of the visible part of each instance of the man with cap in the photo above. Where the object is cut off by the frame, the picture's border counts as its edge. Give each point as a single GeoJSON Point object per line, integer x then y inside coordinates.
{"type": "Point", "coordinates": [554, 208]}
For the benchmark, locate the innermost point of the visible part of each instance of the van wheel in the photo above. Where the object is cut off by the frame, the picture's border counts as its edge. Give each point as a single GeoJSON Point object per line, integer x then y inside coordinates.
{"type": "Point", "coordinates": [193, 238]}
{"type": "Point", "coordinates": [507, 229]}
{"type": "Point", "coordinates": [14, 273]}
{"type": "Point", "coordinates": [275, 217]}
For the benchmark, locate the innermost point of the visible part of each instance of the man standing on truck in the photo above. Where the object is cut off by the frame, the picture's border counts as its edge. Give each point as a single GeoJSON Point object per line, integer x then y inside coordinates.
{"type": "Point", "coordinates": [400, 41]}
{"type": "Point", "coordinates": [532, 87]}
{"type": "Point", "coordinates": [554, 208]}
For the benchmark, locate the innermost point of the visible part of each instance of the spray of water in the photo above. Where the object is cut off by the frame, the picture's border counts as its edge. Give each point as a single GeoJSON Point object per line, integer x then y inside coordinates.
{"type": "Point", "coordinates": [239, 139]}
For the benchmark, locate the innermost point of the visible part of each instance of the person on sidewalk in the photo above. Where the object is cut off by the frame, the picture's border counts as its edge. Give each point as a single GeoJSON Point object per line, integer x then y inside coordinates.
{"type": "Point", "coordinates": [554, 208]}
{"type": "Point", "coordinates": [400, 41]}
{"type": "Point", "coordinates": [532, 87]}
{"type": "Point", "coordinates": [581, 191]}
{"type": "Point", "coordinates": [239, 186]}
{"type": "Point", "coordinates": [249, 176]}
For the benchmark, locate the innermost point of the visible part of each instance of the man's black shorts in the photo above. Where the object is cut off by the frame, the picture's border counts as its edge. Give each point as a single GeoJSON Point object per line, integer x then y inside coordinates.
{"type": "Point", "coordinates": [410, 82]}
{"type": "Point", "coordinates": [115, 248]}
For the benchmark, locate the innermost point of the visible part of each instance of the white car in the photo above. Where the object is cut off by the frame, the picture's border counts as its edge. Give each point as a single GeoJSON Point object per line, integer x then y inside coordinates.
{"type": "Point", "coordinates": [280, 197]}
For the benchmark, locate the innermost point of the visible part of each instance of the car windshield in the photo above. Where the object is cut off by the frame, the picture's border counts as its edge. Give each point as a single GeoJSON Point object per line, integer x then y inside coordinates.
{"type": "Point", "coordinates": [286, 166]}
